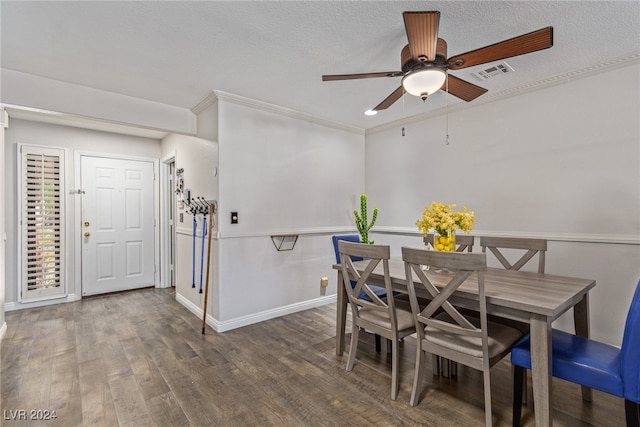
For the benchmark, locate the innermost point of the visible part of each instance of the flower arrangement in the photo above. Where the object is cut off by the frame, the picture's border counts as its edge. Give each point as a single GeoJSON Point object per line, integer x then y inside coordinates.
{"type": "Point", "coordinates": [443, 220]}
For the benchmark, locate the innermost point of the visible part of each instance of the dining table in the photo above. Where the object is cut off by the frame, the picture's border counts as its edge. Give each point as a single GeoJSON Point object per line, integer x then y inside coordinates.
{"type": "Point", "coordinates": [534, 298]}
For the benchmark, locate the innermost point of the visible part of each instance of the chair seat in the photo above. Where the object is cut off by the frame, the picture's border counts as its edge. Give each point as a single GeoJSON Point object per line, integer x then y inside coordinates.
{"type": "Point", "coordinates": [404, 318]}
{"type": "Point", "coordinates": [501, 338]}
{"type": "Point", "coordinates": [521, 326]}
{"type": "Point", "coordinates": [579, 360]}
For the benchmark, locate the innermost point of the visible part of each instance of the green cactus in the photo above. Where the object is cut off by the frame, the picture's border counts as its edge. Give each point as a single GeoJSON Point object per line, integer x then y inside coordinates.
{"type": "Point", "coordinates": [361, 220]}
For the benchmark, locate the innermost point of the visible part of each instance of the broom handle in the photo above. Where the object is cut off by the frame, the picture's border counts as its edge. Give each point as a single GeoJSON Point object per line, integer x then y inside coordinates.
{"type": "Point", "coordinates": [206, 286]}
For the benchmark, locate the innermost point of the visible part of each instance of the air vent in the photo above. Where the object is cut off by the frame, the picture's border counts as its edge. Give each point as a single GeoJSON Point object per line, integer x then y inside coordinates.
{"type": "Point", "coordinates": [493, 71]}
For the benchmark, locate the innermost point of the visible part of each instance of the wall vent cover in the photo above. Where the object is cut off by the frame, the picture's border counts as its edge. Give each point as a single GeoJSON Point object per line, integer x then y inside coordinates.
{"type": "Point", "coordinates": [493, 71]}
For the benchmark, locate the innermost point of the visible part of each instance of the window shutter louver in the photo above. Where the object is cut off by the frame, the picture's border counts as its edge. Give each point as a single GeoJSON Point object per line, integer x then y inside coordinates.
{"type": "Point", "coordinates": [42, 221]}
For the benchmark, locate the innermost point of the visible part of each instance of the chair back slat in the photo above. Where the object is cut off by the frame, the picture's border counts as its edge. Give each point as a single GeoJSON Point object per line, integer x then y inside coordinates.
{"type": "Point", "coordinates": [360, 289]}
{"type": "Point", "coordinates": [532, 247]}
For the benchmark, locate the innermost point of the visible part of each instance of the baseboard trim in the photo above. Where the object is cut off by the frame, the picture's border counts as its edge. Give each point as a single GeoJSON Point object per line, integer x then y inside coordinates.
{"type": "Point", "coordinates": [17, 305]}
{"type": "Point", "coordinates": [256, 317]}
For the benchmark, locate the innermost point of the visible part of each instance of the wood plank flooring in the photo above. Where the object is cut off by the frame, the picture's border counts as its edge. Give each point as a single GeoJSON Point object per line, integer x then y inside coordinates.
{"type": "Point", "coordinates": [139, 359]}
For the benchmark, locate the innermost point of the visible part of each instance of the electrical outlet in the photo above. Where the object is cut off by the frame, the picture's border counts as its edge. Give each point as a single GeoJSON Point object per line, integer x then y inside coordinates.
{"type": "Point", "coordinates": [181, 217]}
{"type": "Point", "coordinates": [324, 282]}
{"type": "Point", "coordinates": [234, 217]}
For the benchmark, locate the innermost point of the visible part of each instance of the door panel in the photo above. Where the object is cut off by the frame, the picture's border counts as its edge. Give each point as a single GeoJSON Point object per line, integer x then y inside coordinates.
{"type": "Point", "coordinates": [118, 224]}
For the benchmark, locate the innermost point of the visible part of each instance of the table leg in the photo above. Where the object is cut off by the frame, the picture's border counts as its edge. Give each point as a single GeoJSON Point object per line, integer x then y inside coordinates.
{"type": "Point", "coordinates": [581, 322]}
{"type": "Point", "coordinates": [541, 368]}
{"type": "Point", "coordinates": [341, 315]}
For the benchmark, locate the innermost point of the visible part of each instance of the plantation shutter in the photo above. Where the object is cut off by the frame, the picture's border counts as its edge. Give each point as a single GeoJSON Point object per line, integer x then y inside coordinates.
{"type": "Point", "coordinates": [42, 215]}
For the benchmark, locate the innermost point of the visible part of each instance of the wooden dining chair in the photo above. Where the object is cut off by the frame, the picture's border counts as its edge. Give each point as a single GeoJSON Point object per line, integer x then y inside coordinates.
{"type": "Point", "coordinates": [464, 242]}
{"type": "Point", "coordinates": [590, 363]}
{"type": "Point", "coordinates": [445, 331]}
{"type": "Point", "coordinates": [532, 247]}
{"type": "Point", "coordinates": [381, 292]}
{"type": "Point", "coordinates": [373, 314]}
{"type": "Point", "coordinates": [524, 249]}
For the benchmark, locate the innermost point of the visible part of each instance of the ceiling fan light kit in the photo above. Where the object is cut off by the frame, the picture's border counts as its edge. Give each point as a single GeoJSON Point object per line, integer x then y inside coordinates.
{"type": "Point", "coordinates": [424, 82]}
{"type": "Point", "coordinates": [425, 67]}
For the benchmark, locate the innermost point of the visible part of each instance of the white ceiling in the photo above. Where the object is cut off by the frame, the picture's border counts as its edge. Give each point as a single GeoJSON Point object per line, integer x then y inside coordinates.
{"type": "Point", "coordinates": [276, 51]}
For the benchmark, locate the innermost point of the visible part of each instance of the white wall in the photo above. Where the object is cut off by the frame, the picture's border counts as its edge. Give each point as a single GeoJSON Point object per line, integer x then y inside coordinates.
{"type": "Point", "coordinates": [562, 162]}
{"type": "Point", "coordinates": [282, 173]}
{"type": "Point", "coordinates": [4, 119]}
{"type": "Point", "coordinates": [199, 159]}
{"type": "Point", "coordinates": [73, 139]}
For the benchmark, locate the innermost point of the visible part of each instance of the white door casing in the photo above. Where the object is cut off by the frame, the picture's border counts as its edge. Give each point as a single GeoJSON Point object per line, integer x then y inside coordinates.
{"type": "Point", "coordinates": [118, 250]}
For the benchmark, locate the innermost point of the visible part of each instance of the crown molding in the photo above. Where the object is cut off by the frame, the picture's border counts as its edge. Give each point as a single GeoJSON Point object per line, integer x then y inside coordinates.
{"type": "Point", "coordinates": [210, 100]}
{"type": "Point", "coordinates": [624, 61]}
{"type": "Point", "coordinates": [218, 95]}
{"type": "Point", "coordinates": [84, 122]}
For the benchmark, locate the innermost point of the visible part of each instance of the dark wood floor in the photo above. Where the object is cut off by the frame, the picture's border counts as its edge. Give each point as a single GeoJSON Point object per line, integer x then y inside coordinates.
{"type": "Point", "coordinates": [139, 359]}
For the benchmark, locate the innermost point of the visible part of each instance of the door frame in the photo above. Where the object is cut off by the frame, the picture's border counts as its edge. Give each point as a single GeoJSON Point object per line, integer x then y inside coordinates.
{"type": "Point", "coordinates": [77, 211]}
{"type": "Point", "coordinates": [165, 230]}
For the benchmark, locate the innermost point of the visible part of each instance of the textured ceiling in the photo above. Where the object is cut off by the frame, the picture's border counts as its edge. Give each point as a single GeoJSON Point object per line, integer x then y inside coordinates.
{"type": "Point", "coordinates": [178, 52]}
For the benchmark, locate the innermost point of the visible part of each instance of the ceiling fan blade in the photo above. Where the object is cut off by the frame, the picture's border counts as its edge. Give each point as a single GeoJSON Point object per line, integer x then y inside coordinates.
{"type": "Point", "coordinates": [389, 100]}
{"type": "Point", "coordinates": [462, 88]}
{"type": "Point", "coordinates": [331, 77]}
{"type": "Point", "coordinates": [422, 33]}
{"type": "Point", "coordinates": [526, 43]}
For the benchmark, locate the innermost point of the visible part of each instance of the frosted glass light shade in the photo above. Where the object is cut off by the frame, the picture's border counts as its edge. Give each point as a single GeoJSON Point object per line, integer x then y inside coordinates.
{"type": "Point", "coordinates": [424, 82]}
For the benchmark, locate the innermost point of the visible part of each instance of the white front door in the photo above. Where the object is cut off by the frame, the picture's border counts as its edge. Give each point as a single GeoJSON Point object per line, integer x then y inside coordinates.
{"type": "Point", "coordinates": [117, 224]}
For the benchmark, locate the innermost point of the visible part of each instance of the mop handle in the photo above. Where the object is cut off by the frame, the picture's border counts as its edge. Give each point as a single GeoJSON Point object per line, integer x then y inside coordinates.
{"type": "Point", "coordinates": [193, 261]}
{"type": "Point", "coordinates": [204, 233]}
{"type": "Point", "coordinates": [206, 291]}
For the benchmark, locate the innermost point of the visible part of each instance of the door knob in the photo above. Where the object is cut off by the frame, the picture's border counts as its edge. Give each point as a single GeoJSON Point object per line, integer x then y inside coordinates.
{"type": "Point", "coordinates": [87, 234]}
{"type": "Point", "coordinates": [86, 223]}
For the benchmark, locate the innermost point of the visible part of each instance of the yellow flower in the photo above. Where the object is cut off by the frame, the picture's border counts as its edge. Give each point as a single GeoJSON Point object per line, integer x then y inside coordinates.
{"type": "Point", "coordinates": [443, 220]}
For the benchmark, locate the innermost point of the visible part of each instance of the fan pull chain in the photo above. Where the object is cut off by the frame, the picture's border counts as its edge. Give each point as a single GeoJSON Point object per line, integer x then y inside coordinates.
{"type": "Point", "coordinates": [446, 138]}
{"type": "Point", "coordinates": [403, 114]}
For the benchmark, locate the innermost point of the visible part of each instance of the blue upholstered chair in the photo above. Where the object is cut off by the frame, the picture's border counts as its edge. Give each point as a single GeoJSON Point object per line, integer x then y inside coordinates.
{"type": "Point", "coordinates": [379, 291]}
{"type": "Point", "coordinates": [591, 363]}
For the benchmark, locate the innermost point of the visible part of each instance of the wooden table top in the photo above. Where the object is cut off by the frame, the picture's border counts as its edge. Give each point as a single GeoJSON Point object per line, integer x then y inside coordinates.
{"type": "Point", "coordinates": [546, 294]}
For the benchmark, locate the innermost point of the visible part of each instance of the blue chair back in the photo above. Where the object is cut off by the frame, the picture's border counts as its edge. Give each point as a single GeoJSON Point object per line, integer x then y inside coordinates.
{"type": "Point", "coordinates": [630, 351]}
{"type": "Point", "coordinates": [355, 238]}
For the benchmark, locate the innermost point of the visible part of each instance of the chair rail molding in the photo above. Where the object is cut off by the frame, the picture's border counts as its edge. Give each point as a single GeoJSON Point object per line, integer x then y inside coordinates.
{"type": "Point", "coordinates": [620, 239]}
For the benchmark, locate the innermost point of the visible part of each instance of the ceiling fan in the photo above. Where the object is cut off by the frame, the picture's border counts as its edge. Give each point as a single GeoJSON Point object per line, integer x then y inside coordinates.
{"type": "Point", "coordinates": [425, 66]}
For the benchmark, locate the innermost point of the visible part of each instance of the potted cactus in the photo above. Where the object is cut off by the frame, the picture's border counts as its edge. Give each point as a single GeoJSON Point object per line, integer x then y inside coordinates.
{"type": "Point", "coordinates": [362, 220]}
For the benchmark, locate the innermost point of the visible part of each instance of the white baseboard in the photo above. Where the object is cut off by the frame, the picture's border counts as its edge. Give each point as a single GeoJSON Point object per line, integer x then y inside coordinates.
{"type": "Point", "coordinates": [17, 305]}
{"type": "Point", "coordinates": [256, 317]}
